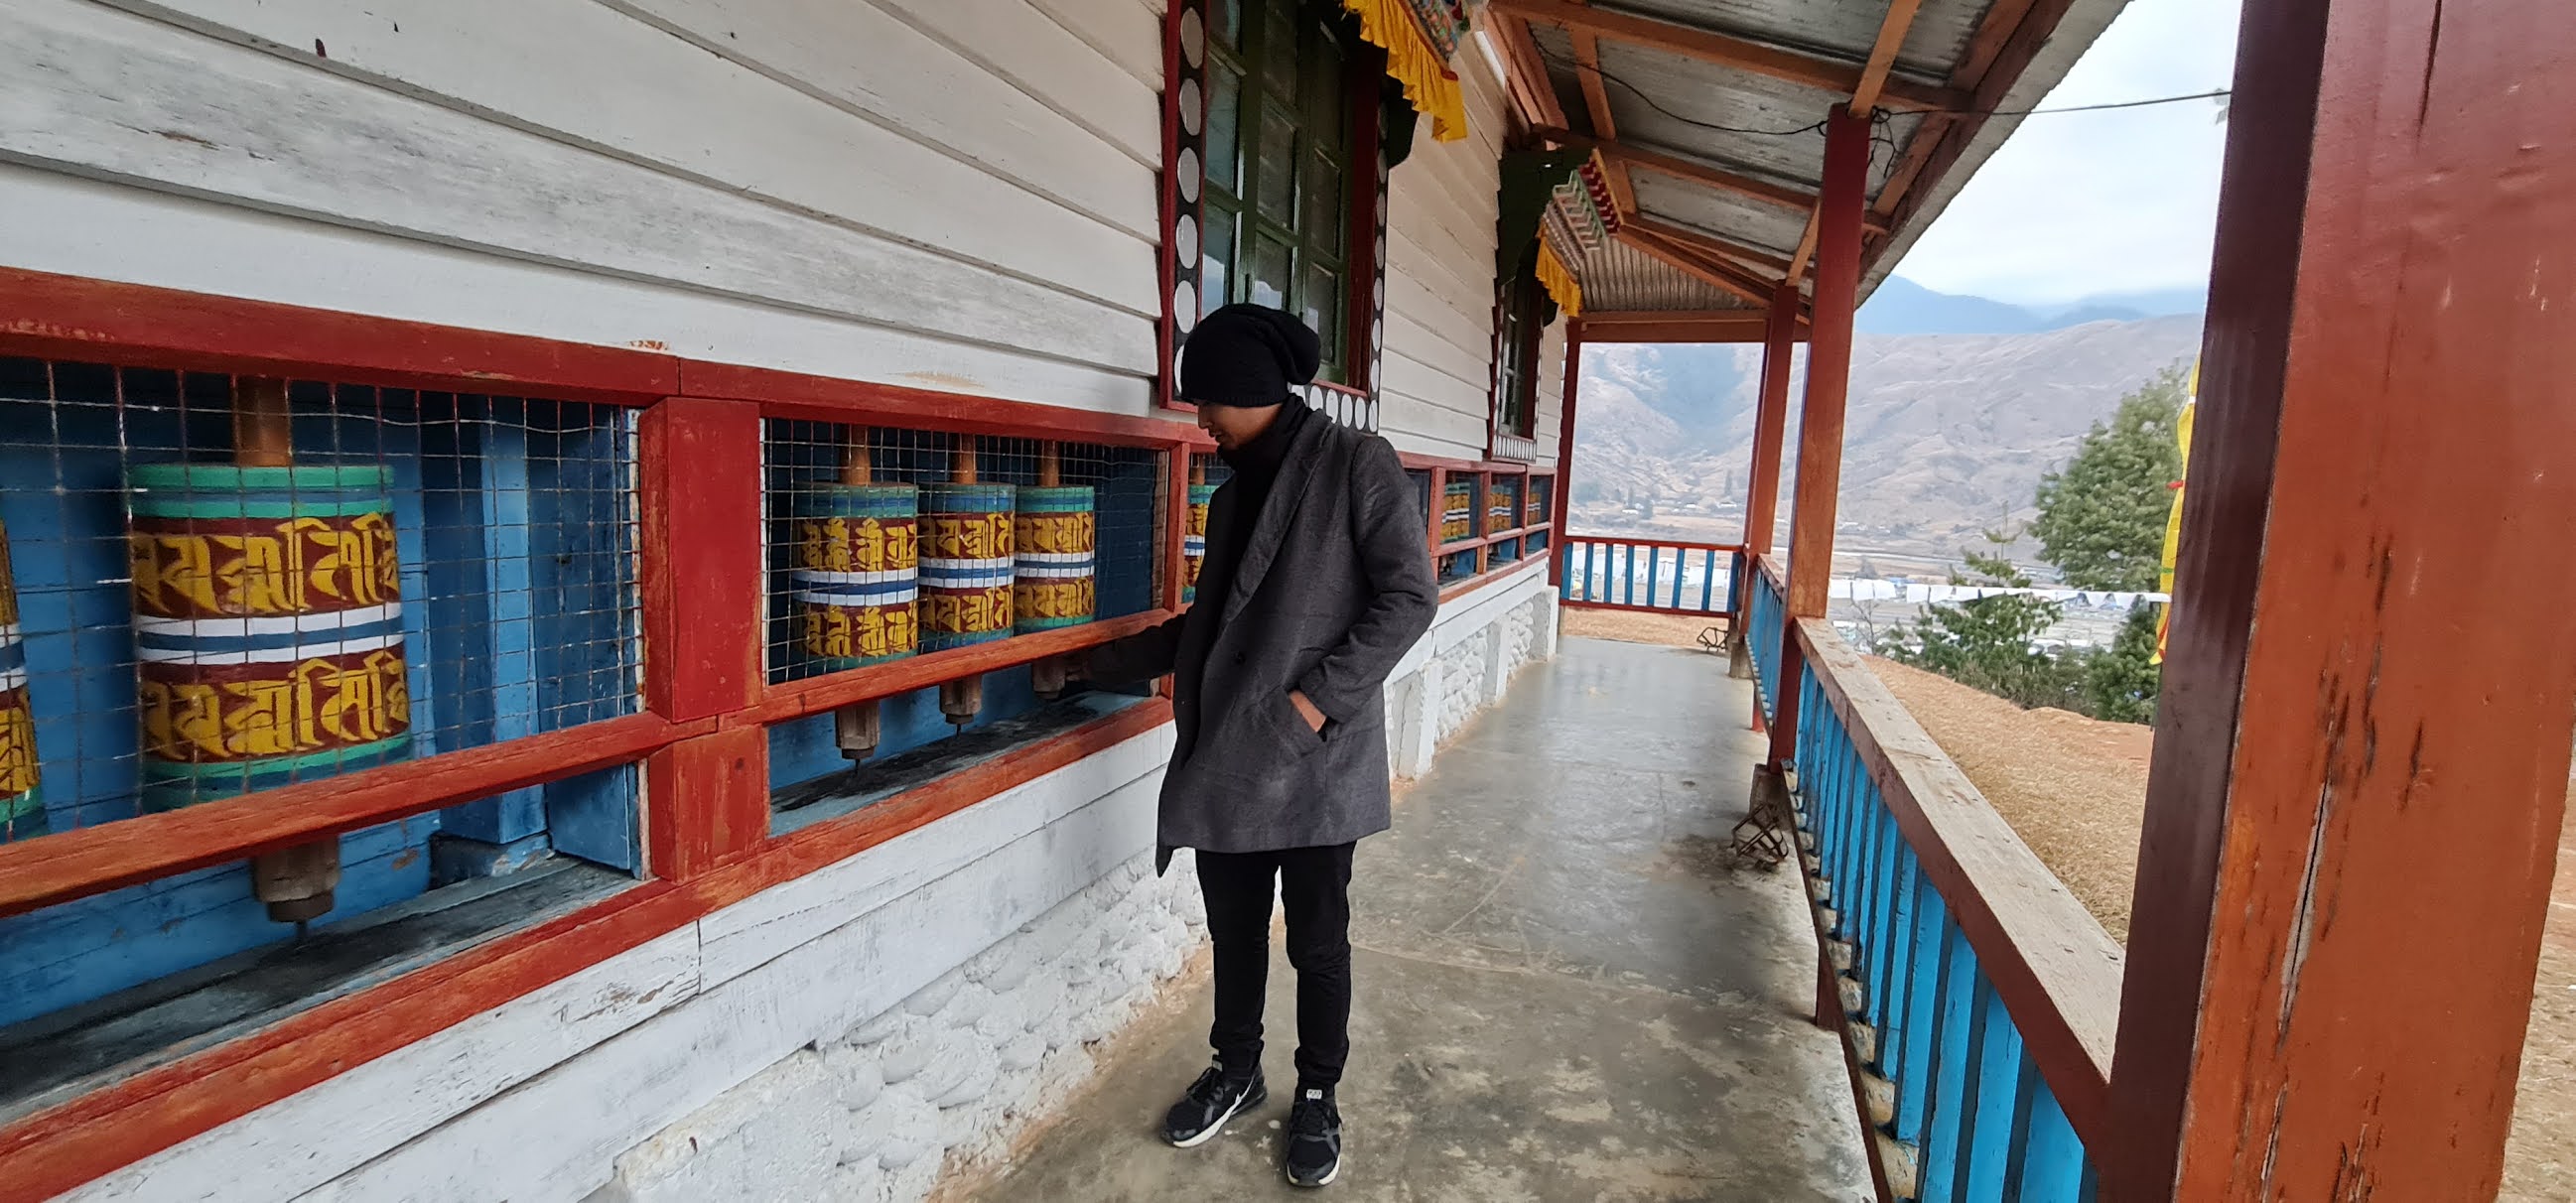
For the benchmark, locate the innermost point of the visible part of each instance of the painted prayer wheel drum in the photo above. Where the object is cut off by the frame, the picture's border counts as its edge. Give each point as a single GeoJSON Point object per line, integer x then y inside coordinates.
{"type": "Point", "coordinates": [858, 564]}
{"type": "Point", "coordinates": [1458, 514]}
{"type": "Point", "coordinates": [1499, 506]}
{"type": "Point", "coordinates": [966, 565]}
{"type": "Point", "coordinates": [1055, 535]}
{"type": "Point", "coordinates": [1194, 541]}
{"type": "Point", "coordinates": [267, 627]}
{"type": "Point", "coordinates": [22, 804]}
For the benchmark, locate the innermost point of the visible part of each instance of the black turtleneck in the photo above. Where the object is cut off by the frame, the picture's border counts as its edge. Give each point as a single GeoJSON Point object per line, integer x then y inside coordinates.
{"type": "Point", "coordinates": [1256, 468]}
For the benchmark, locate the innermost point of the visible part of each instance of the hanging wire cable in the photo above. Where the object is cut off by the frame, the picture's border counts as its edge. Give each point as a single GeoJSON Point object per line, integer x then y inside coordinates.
{"type": "Point", "coordinates": [1818, 127]}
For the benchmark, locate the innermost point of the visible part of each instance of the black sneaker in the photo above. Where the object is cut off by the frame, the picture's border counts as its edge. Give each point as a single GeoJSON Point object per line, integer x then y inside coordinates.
{"type": "Point", "coordinates": [1314, 1139]}
{"type": "Point", "coordinates": [1215, 1098]}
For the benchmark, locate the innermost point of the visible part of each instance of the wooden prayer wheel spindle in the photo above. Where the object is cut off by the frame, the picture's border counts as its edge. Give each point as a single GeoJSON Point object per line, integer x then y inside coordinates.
{"type": "Point", "coordinates": [856, 577]}
{"type": "Point", "coordinates": [268, 632]}
{"type": "Point", "coordinates": [22, 803]}
{"type": "Point", "coordinates": [1055, 538]}
{"type": "Point", "coordinates": [965, 572]}
{"type": "Point", "coordinates": [1194, 536]}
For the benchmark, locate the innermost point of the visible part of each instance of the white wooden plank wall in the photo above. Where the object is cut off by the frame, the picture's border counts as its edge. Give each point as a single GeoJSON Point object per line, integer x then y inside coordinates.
{"type": "Point", "coordinates": [1551, 391]}
{"type": "Point", "coordinates": [1440, 291]}
{"type": "Point", "coordinates": [905, 211]}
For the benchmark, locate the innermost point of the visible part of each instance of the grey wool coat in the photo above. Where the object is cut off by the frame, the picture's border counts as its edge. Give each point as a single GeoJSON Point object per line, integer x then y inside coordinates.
{"type": "Point", "coordinates": [1334, 587]}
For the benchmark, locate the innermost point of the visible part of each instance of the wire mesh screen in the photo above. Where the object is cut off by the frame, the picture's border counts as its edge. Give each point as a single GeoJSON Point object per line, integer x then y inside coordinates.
{"type": "Point", "coordinates": [886, 542]}
{"type": "Point", "coordinates": [1207, 474]}
{"type": "Point", "coordinates": [223, 584]}
{"type": "Point", "coordinates": [1458, 509]}
{"type": "Point", "coordinates": [1537, 515]}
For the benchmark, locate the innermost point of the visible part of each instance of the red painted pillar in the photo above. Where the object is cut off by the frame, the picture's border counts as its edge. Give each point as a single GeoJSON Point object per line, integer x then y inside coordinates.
{"type": "Point", "coordinates": [2361, 758]}
{"type": "Point", "coordinates": [707, 798]}
{"type": "Point", "coordinates": [1564, 454]}
{"type": "Point", "coordinates": [1820, 421]}
{"type": "Point", "coordinates": [1771, 420]}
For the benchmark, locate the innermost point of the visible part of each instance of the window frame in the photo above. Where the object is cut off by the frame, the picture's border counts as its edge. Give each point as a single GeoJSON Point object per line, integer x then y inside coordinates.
{"type": "Point", "coordinates": [1520, 339]}
{"type": "Point", "coordinates": [1192, 58]}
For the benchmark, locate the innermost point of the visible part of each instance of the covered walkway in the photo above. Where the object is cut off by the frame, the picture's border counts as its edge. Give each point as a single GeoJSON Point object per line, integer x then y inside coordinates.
{"type": "Point", "coordinates": [1564, 990]}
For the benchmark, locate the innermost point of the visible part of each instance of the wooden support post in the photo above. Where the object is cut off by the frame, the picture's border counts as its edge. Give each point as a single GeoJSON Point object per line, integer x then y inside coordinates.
{"type": "Point", "coordinates": [2361, 756]}
{"type": "Point", "coordinates": [1048, 677]}
{"type": "Point", "coordinates": [1762, 492]}
{"type": "Point", "coordinates": [961, 700]}
{"type": "Point", "coordinates": [1820, 421]}
{"type": "Point", "coordinates": [301, 883]}
{"type": "Point", "coordinates": [1564, 454]}
{"type": "Point", "coordinates": [858, 727]}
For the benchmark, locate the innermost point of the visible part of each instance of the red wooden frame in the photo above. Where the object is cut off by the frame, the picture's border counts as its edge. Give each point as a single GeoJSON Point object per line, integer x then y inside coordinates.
{"type": "Point", "coordinates": [706, 702]}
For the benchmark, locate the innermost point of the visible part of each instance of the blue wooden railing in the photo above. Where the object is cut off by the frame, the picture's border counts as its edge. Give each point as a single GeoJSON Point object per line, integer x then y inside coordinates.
{"type": "Point", "coordinates": [1764, 603]}
{"type": "Point", "coordinates": [1657, 575]}
{"type": "Point", "coordinates": [1977, 995]}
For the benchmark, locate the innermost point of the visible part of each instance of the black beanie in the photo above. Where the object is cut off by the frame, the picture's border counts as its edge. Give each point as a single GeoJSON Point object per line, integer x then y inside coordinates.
{"type": "Point", "coordinates": [1248, 355]}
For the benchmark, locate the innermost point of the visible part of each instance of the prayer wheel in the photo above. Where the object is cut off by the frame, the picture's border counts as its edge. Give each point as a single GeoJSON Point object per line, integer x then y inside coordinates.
{"type": "Point", "coordinates": [1501, 509]}
{"type": "Point", "coordinates": [857, 569]}
{"type": "Point", "coordinates": [1055, 535]}
{"type": "Point", "coordinates": [1458, 515]}
{"type": "Point", "coordinates": [1194, 541]}
{"type": "Point", "coordinates": [22, 804]}
{"type": "Point", "coordinates": [268, 627]}
{"type": "Point", "coordinates": [966, 564]}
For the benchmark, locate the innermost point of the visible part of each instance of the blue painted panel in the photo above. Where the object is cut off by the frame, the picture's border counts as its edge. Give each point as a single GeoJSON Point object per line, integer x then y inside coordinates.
{"type": "Point", "coordinates": [2053, 1165]}
{"type": "Point", "coordinates": [1943, 1153]}
{"type": "Point", "coordinates": [1995, 1127]}
{"type": "Point", "coordinates": [75, 952]}
{"type": "Point", "coordinates": [1708, 581]}
{"type": "Point", "coordinates": [1896, 981]}
{"type": "Point", "coordinates": [1654, 560]}
{"type": "Point", "coordinates": [1922, 1013]}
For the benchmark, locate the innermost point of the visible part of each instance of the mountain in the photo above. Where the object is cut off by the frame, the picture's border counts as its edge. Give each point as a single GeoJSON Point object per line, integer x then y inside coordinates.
{"type": "Point", "coordinates": [1945, 435]}
{"type": "Point", "coordinates": [1901, 306]}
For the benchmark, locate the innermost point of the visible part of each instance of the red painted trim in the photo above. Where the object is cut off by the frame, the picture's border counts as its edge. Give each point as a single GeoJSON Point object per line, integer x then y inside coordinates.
{"type": "Point", "coordinates": [100, 1132]}
{"type": "Point", "coordinates": [700, 488]}
{"type": "Point", "coordinates": [1503, 575]}
{"type": "Point", "coordinates": [706, 801]}
{"type": "Point", "coordinates": [1364, 73]}
{"type": "Point", "coordinates": [1176, 528]}
{"type": "Point", "coordinates": [828, 399]}
{"type": "Point", "coordinates": [1167, 202]}
{"type": "Point", "coordinates": [49, 316]}
{"type": "Point", "coordinates": [796, 699]}
{"type": "Point", "coordinates": [1412, 459]}
{"type": "Point", "coordinates": [93, 860]}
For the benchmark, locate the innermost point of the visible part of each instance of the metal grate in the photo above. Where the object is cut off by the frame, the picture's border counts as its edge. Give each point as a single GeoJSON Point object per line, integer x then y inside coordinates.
{"type": "Point", "coordinates": [887, 542]}
{"type": "Point", "coordinates": [223, 584]}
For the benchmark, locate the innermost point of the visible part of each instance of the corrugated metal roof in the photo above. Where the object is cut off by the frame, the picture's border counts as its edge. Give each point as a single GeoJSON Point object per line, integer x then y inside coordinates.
{"type": "Point", "coordinates": [1619, 277]}
{"type": "Point", "coordinates": [1755, 125]}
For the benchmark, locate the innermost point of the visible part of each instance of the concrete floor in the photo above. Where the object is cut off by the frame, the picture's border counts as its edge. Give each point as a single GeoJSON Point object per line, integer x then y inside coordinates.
{"type": "Point", "coordinates": [1563, 991]}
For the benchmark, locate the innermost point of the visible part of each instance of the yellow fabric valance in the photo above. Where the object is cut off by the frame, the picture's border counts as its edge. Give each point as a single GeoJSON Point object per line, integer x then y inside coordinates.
{"type": "Point", "coordinates": [1559, 282]}
{"type": "Point", "coordinates": [1420, 37]}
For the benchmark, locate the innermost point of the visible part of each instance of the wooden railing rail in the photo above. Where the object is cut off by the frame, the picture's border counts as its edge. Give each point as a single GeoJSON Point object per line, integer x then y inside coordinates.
{"type": "Point", "coordinates": [1660, 576]}
{"type": "Point", "coordinates": [1979, 998]}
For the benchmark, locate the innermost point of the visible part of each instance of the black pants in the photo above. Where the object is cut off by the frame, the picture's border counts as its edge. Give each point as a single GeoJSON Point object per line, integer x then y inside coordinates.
{"type": "Point", "coordinates": [1315, 886]}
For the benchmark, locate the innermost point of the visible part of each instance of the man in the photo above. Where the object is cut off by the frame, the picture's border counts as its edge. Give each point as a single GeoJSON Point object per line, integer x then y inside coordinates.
{"type": "Point", "coordinates": [1316, 582]}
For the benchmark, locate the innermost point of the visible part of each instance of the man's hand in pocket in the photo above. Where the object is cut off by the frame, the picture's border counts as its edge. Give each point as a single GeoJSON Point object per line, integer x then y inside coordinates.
{"type": "Point", "coordinates": [1306, 710]}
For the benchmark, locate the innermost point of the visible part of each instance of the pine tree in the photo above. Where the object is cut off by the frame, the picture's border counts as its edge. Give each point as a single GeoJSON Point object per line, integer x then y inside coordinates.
{"type": "Point", "coordinates": [1991, 643]}
{"type": "Point", "coordinates": [2102, 517]}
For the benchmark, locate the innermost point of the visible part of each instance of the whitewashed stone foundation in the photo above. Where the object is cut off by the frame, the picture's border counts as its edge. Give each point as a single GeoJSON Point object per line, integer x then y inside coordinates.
{"type": "Point", "coordinates": [945, 1081]}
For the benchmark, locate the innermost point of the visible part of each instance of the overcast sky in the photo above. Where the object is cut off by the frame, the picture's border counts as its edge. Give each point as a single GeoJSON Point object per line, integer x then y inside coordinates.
{"type": "Point", "coordinates": [2078, 204]}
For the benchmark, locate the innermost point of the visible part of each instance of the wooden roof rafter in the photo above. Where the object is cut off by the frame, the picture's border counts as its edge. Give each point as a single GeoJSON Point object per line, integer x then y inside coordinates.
{"type": "Point", "coordinates": [1533, 90]}
{"type": "Point", "coordinates": [1676, 326]}
{"type": "Point", "coordinates": [1596, 101]}
{"type": "Point", "coordinates": [1707, 45]}
{"type": "Point", "coordinates": [1707, 244]}
{"type": "Point", "coordinates": [1692, 170]}
{"type": "Point", "coordinates": [1865, 96]}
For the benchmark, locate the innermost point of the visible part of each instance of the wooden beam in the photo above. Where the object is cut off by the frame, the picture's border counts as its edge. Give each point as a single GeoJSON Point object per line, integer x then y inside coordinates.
{"type": "Point", "coordinates": [1564, 482]}
{"type": "Point", "coordinates": [1535, 88]}
{"type": "Point", "coordinates": [1706, 271]}
{"type": "Point", "coordinates": [1596, 100]}
{"type": "Point", "coordinates": [1832, 75]}
{"type": "Point", "coordinates": [1648, 326]}
{"type": "Point", "coordinates": [1874, 74]}
{"type": "Point", "coordinates": [1940, 140]}
{"type": "Point", "coordinates": [1706, 243]}
{"type": "Point", "coordinates": [1688, 169]}
{"type": "Point", "coordinates": [1696, 171]}
{"type": "Point", "coordinates": [2360, 762]}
